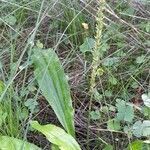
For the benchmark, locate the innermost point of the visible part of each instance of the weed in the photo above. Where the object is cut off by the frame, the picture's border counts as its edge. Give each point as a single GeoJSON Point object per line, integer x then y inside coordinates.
{"type": "Point", "coordinates": [97, 54]}
{"type": "Point", "coordinates": [102, 102]}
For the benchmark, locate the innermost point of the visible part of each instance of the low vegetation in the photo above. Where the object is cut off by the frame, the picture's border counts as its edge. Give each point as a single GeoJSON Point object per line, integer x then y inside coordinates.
{"type": "Point", "coordinates": [74, 75]}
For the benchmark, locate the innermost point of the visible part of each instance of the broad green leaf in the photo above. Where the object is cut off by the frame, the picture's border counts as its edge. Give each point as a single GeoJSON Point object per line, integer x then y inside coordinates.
{"type": "Point", "coordinates": [57, 136]}
{"type": "Point", "coordinates": [141, 128]}
{"type": "Point", "coordinates": [136, 145]}
{"type": "Point", "coordinates": [54, 147]}
{"type": "Point", "coordinates": [113, 124]}
{"type": "Point", "coordinates": [95, 115]}
{"type": "Point", "coordinates": [54, 86]}
{"type": "Point", "coordinates": [88, 45]}
{"type": "Point", "coordinates": [146, 146]}
{"type": "Point", "coordinates": [146, 127]}
{"type": "Point", "coordinates": [108, 147]}
{"type": "Point", "coordinates": [146, 99]}
{"type": "Point", "coordinates": [110, 61]}
{"type": "Point", "coordinates": [125, 112]}
{"type": "Point", "coordinates": [128, 130]}
{"type": "Point", "coordinates": [137, 128]}
{"type": "Point", "coordinates": [10, 143]}
{"type": "Point", "coordinates": [139, 145]}
{"type": "Point", "coordinates": [146, 111]}
{"type": "Point", "coordinates": [31, 104]}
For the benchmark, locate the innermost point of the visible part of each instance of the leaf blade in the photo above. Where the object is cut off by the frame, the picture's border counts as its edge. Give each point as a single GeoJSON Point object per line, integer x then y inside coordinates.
{"type": "Point", "coordinates": [54, 86]}
{"type": "Point", "coordinates": [125, 112]}
{"type": "Point", "coordinates": [11, 143]}
{"type": "Point", "coordinates": [57, 136]}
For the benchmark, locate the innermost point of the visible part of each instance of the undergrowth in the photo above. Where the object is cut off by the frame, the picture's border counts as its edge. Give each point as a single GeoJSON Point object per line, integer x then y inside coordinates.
{"type": "Point", "coordinates": [75, 66]}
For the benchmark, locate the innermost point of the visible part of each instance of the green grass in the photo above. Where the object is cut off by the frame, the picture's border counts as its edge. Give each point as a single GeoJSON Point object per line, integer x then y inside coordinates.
{"type": "Point", "coordinates": [122, 71]}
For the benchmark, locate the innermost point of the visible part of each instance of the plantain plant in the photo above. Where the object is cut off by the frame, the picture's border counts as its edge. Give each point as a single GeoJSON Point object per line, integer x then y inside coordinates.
{"type": "Point", "coordinates": [54, 86]}
{"type": "Point", "coordinates": [57, 136]}
{"type": "Point", "coordinates": [52, 82]}
{"type": "Point", "coordinates": [97, 56]}
{"type": "Point", "coordinates": [10, 143]}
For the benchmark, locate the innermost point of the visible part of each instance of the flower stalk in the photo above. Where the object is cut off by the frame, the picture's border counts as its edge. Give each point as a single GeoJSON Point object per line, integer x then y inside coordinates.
{"type": "Point", "coordinates": [97, 56]}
